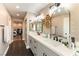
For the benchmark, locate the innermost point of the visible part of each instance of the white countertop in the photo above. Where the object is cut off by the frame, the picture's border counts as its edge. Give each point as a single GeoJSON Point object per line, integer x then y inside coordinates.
{"type": "Point", "coordinates": [55, 46]}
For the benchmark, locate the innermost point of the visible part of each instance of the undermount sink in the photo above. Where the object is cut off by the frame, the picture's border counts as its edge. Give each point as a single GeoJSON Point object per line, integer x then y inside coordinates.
{"type": "Point", "coordinates": [44, 35]}
{"type": "Point", "coordinates": [55, 43]}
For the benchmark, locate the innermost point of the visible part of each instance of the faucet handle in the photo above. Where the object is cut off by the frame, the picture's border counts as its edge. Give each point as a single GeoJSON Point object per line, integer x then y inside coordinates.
{"type": "Point", "coordinates": [73, 39]}
{"type": "Point", "coordinates": [60, 40]}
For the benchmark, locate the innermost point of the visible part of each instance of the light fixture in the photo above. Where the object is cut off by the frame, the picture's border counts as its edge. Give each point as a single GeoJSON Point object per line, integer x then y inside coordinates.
{"type": "Point", "coordinates": [17, 6]}
{"type": "Point", "coordinates": [19, 25]}
{"type": "Point", "coordinates": [18, 14]}
{"type": "Point", "coordinates": [42, 16]}
{"type": "Point", "coordinates": [57, 4]}
{"type": "Point", "coordinates": [53, 8]}
{"type": "Point", "coordinates": [14, 25]}
{"type": "Point", "coordinates": [66, 5]}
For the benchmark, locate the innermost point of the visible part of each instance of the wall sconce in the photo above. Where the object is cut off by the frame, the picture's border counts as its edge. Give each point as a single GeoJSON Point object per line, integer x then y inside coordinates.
{"type": "Point", "coordinates": [57, 4]}
{"type": "Point", "coordinates": [40, 17]}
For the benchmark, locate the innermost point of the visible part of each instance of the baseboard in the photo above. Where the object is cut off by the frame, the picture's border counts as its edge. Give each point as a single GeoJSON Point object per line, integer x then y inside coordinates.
{"type": "Point", "coordinates": [7, 47]}
{"type": "Point", "coordinates": [27, 47]}
{"type": "Point", "coordinates": [6, 51]}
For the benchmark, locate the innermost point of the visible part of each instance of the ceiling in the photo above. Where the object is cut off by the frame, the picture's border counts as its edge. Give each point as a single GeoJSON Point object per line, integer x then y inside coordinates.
{"type": "Point", "coordinates": [24, 8]}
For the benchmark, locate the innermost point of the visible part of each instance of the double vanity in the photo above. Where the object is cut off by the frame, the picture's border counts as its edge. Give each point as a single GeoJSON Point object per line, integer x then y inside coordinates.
{"type": "Point", "coordinates": [58, 40]}
{"type": "Point", "coordinates": [42, 46]}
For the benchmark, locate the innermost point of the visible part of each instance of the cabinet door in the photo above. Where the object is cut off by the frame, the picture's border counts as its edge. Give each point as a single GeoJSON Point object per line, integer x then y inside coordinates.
{"type": "Point", "coordinates": [39, 49]}
{"type": "Point", "coordinates": [49, 52]}
{"type": "Point", "coordinates": [45, 51]}
{"type": "Point", "coordinates": [33, 45]}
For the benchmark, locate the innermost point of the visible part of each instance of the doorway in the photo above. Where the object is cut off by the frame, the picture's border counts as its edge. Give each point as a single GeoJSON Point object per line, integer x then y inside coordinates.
{"type": "Point", "coordinates": [2, 34]}
{"type": "Point", "coordinates": [17, 30]}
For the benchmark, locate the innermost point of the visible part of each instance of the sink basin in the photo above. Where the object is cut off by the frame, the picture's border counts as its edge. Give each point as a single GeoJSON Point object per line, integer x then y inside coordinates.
{"type": "Point", "coordinates": [44, 35]}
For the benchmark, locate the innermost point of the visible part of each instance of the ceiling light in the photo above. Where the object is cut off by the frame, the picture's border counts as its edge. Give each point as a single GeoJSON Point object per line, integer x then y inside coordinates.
{"type": "Point", "coordinates": [18, 14]}
{"type": "Point", "coordinates": [17, 7]}
{"type": "Point", "coordinates": [52, 10]}
{"type": "Point", "coordinates": [42, 16]}
{"type": "Point", "coordinates": [19, 24]}
{"type": "Point", "coordinates": [66, 5]}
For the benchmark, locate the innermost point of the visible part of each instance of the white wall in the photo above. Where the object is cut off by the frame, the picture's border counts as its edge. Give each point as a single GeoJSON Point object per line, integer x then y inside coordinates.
{"type": "Point", "coordinates": [5, 18]}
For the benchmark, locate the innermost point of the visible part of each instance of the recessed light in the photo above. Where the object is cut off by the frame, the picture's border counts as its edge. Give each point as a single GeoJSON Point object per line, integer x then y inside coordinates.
{"type": "Point", "coordinates": [18, 14]}
{"type": "Point", "coordinates": [17, 7]}
{"type": "Point", "coordinates": [19, 24]}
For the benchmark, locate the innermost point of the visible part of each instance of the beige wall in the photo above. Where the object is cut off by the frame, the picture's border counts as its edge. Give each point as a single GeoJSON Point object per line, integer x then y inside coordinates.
{"type": "Point", "coordinates": [5, 20]}
{"type": "Point", "coordinates": [58, 22]}
{"type": "Point", "coordinates": [4, 16]}
{"type": "Point", "coordinates": [75, 21]}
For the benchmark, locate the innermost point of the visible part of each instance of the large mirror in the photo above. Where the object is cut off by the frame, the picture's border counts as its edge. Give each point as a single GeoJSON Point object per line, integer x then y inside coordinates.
{"type": "Point", "coordinates": [32, 26]}
{"type": "Point", "coordinates": [60, 24]}
{"type": "Point", "coordinates": [36, 26]}
{"type": "Point", "coordinates": [46, 24]}
{"type": "Point", "coordinates": [39, 26]}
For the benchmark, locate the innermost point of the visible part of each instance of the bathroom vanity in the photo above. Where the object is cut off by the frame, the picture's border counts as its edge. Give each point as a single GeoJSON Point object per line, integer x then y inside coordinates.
{"type": "Point", "coordinates": [42, 46]}
{"type": "Point", "coordinates": [57, 24]}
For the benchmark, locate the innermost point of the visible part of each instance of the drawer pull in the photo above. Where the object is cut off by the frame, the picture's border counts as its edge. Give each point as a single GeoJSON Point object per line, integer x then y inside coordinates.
{"type": "Point", "coordinates": [44, 54]}
{"type": "Point", "coordinates": [30, 41]}
{"type": "Point", "coordinates": [35, 47]}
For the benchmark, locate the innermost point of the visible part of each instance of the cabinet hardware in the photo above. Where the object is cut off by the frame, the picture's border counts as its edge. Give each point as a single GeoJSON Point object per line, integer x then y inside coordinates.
{"type": "Point", "coordinates": [30, 41]}
{"type": "Point", "coordinates": [34, 41]}
{"type": "Point", "coordinates": [35, 47]}
{"type": "Point", "coordinates": [44, 54]}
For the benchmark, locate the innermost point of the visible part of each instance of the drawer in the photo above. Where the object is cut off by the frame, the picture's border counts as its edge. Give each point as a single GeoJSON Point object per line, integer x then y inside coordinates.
{"type": "Point", "coordinates": [45, 51]}
{"type": "Point", "coordinates": [33, 45]}
{"type": "Point", "coordinates": [49, 52]}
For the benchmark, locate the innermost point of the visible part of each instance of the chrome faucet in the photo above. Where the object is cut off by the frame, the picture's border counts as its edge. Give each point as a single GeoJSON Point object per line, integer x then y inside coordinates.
{"type": "Point", "coordinates": [73, 45]}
